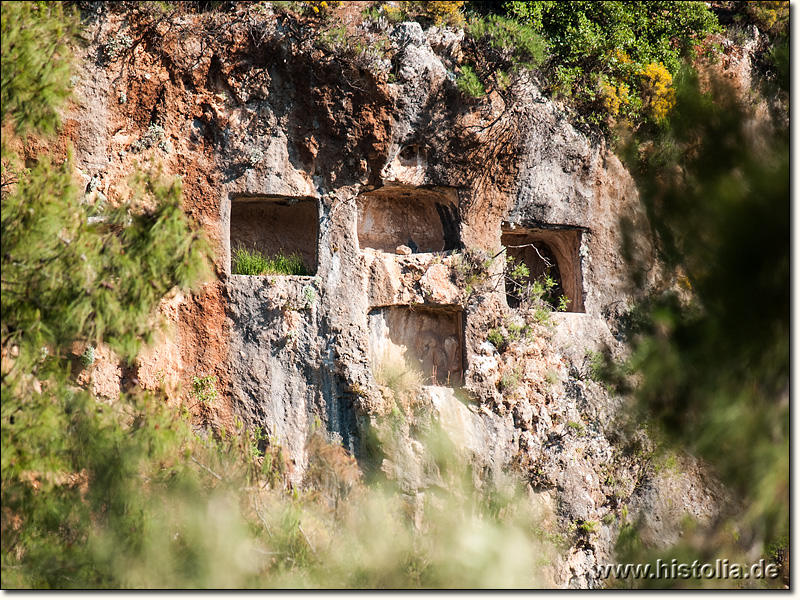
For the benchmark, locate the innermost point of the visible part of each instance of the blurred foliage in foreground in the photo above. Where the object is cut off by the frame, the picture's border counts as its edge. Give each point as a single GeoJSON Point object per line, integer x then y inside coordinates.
{"type": "Point", "coordinates": [711, 353]}
{"type": "Point", "coordinates": [125, 494]}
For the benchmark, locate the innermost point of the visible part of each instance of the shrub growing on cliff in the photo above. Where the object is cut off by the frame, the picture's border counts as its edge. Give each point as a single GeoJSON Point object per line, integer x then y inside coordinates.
{"type": "Point", "coordinates": [469, 83]}
{"type": "Point", "coordinates": [439, 13]}
{"type": "Point", "coordinates": [658, 96]}
{"type": "Point", "coordinates": [500, 49]}
{"type": "Point", "coordinates": [537, 295]}
{"type": "Point", "coordinates": [771, 16]}
{"type": "Point", "coordinates": [471, 269]}
{"type": "Point", "coordinates": [204, 389]}
{"type": "Point", "coordinates": [599, 46]}
{"type": "Point", "coordinates": [444, 12]}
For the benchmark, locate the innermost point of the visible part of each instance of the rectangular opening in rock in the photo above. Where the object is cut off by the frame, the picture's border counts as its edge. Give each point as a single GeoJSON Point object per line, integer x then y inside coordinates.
{"type": "Point", "coordinates": [274, 227]}
{"type": "Point", "coordinates": [423, 219]}
{"type": "Point", "coordinates": [555, 252]}
{"type": "Point", "coordinates": [425, 343]}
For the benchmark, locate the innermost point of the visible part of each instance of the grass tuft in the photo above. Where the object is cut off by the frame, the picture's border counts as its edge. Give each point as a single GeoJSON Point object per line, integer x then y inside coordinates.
{"type": "Point", "coordinates": [253, 262]}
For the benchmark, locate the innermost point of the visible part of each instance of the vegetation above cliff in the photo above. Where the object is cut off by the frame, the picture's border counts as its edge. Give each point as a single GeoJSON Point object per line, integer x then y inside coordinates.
{"type": "Point", "coordinates": [617, 60]}
{"type": "Point", "coordinates": [610, 61]}
{"type": "Point", "coordinates": [611, 64]}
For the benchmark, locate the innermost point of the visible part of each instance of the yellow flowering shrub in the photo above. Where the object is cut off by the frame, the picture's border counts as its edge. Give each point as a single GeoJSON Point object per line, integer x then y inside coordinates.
{"type": "Point", "coordinates": [445, 12]}
{"type": "Point", "coordinates": [614, 97]}
{"type": "Point", "coordinates": [769, 15]}
{"type": "Point", "coordinates": [621, 57]}
{"type": "Point", "coordinates": [394, 13]}
{"type": "Point", "coordinates": [441, 13]}
{"type": "Point", "coordinates": [322, 7]}
{"type": "Point", "coordinates": [658, 94]}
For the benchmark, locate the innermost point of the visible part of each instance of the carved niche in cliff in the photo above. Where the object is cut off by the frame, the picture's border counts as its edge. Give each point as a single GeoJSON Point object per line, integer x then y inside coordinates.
{"type": "Point", "coordinates": [425, 339]}
{"type": "Point", "coordinates": [424, 219]}
{"type": "Point", "coordinates": [276, 224]}
{"type": "Point", "coordinates": [555, 251]}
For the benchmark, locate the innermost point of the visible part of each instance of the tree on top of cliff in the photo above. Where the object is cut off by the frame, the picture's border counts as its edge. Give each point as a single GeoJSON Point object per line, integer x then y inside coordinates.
{"type": "Point", "coordinates": [604, 55]}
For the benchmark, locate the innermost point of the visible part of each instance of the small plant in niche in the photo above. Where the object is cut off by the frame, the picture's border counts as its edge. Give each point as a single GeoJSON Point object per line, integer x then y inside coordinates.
{"type": "Point", "coordinates": [536, 295]}
{"type": "Point", "coordinates": [253, 262]}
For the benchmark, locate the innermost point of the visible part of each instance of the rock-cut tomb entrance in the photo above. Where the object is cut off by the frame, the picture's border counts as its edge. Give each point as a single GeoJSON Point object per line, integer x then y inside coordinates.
{"type": "Point", "coordinates": [424, 219]}
{"type": "Point", "coordinates": [552, 251]}
{"type": "Point", "coordinates": [273, 225]}
{"type": "Point", "coordinates": [428, 340]}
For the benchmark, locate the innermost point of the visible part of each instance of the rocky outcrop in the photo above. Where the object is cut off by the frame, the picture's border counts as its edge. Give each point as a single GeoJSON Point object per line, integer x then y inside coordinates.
{"type": "Point", "coordinates": [382, 187]}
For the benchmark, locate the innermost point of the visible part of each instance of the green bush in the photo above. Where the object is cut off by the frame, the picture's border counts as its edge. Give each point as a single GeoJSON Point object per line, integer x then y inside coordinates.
{"type": "Point", "coordinates": [253, 262]}
{"type": "Point", "coordinates": [589, 527]}
{"type": "Point", "coordinates": [469, 83]}
{"type": "Point", "coordinates": [510, 39]}
{"type": "Point", "coordinates": [602, 52]}
{"type": "Point", "coordinates": [500, 50]}
{"type": "Point", "coordinates": [204, 389]}
{"type": "Point", "coordinates": [471, 268]}
{"type": "Point", "coordinates": [537, 295]}
{"type": "Point", "coordinates": [497, 338]}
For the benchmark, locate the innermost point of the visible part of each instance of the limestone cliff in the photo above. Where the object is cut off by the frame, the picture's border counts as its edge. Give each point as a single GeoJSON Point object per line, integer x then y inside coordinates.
{"type": "Point", "coordinates": [284, 142]}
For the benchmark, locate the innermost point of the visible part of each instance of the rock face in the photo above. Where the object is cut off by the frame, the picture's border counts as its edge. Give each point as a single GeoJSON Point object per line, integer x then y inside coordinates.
{"type": "Point", "coordinates": [381, 188]}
